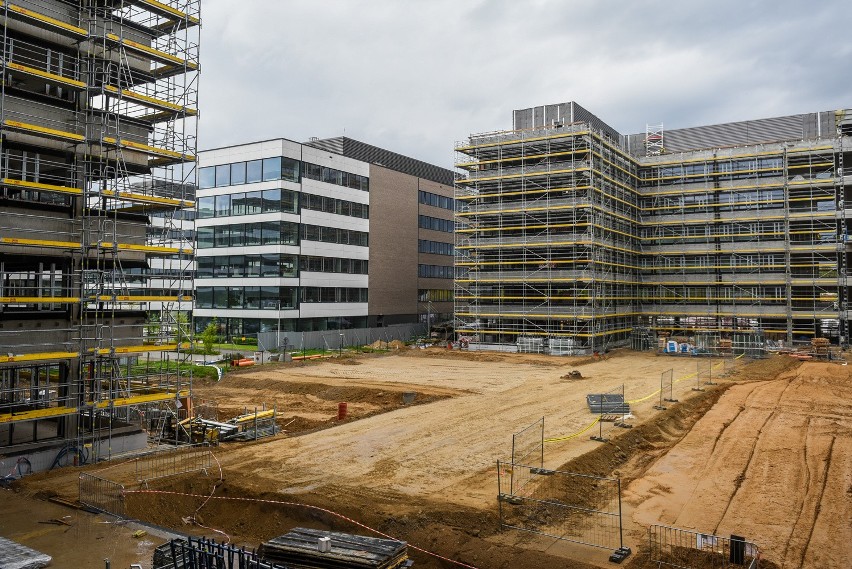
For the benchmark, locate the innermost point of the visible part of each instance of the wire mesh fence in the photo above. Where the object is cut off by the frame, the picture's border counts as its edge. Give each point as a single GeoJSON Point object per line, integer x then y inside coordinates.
{"type": "Point", "coordinates": [180, 460]}
{"type": "Point", "coordinates": [203, 553]}
{"type": "Point", "coordinates": [102, 494]}
{"type": "Point", "coordinates": [564, 505]}
{"type": "Point", "coordinates": [684, 549]}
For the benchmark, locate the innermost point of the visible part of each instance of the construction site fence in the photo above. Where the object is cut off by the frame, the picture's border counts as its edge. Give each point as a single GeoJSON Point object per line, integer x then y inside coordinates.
{"type": "Point", "coordinates": [202, 553]}
{"type": "Point", "coordinates": [102, 495]}
{"type": "Point", "coordinates": [685, 549]}
{"type": "Point", "coordinates": [173, 462]}
{"type": "Point", "coordinates": [528, 444]}
{"type": "Point", "coordinates": [332, 340]}
{"type": "Point", "coordinates": [562, 505]}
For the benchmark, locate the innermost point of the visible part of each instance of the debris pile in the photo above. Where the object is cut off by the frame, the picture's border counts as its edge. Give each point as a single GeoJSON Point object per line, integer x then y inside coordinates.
{"type": "Point", "coordinates": [246, 427]}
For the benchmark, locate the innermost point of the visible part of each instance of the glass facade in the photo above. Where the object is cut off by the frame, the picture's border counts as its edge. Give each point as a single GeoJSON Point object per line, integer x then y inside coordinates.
{"type": "Point", "coordinates": [277, 168]}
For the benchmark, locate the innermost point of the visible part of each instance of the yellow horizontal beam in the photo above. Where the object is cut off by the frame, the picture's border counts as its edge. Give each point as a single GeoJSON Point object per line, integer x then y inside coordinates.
{"type": "Point", "coordinates": [39, 242]}
{"type": "Point", "coordinates": [36, 414]}
{"type": "Point", "coordinates": [151, 150]}
{"type": "Point", "coordinates": [38, 299]}
{"type": "Point", "coordinates": [56, 25]}
{"type": "Point", "coordinates": [142, 298]}
{"type": "Point", "coordinates": [154, 249]}
{"type": "Point", "coordinates": [44, 131]}
{"type": "Point", "coordinates": [565, 134]}
{"type": "Point", "coordinates": [42, 187]}
{"type": "Point", "coordinates": [253, 416]}
{"type": "Point", "coordinates": [43, 356]}
{"type": "Point", "coordinates": [140, 399]}
{"type": "Point", "coordinates": [162, 9]}
{"type": "Point", "coordinates": [149, 101]}
{"type": "Point", "coordinates": [153, 53]}
{"type": "Point", "coordinates": [45, 75]}
{"type": "Point", "coordinates": [144, 198]}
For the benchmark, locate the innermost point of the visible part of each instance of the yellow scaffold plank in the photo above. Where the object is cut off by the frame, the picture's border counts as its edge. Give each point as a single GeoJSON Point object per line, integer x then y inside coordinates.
{"type": "Point", "coordinates": [39, 357]}
{"type": "Point", "coordinates": [56, 25]}
{"type": "Point", "coordinates": [143, 198]}
{"type": "Point", "coordinates": [39, 243]}
{"type": "Point", "coordinates": [141, 298]}
{"type": "Point", "coordinates": [149, 101]}
{"type": "Point", "coordinates": [45, 75]}
{"type": "Point", "coordinates": [155, 249]}
{"type": "Point", "coordinates": [163, 9]}
{"type": "Point", "coordinates": [44, 131]}
{"type": "Point", "coordinates": [42, 187]}
{"type": "Point", "coordinates": [36, 414]}
{"type": "Point", "coordinates": [140, 399]}
{"type": "Point", "coordinates": [153, 53]}
{"type": "Point", "coordinates": [152, 150]}
{"type": "Point", "coordinates": [38, 299]}
{"type": "Point", "coordinates": [139, 349]}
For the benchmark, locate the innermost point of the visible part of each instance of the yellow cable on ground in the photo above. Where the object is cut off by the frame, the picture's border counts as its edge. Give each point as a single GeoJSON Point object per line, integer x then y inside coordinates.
{"type": "Point", "coordinates": [578, 433]}
{"type": "Point", "coordinates": [632, 401]}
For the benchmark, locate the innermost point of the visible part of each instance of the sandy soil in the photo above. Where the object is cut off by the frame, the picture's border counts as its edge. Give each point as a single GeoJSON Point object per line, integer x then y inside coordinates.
{"type": "Point", "coordinates": [426, 473]}
{"type": "Point", "coordinates": [771, 461]}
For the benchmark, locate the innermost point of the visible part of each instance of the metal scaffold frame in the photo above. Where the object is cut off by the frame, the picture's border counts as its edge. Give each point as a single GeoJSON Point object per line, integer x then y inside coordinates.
{"type": "Point", "coordinates": [565, 242]}
{"type": "Point", "coordinates": [99, 109]}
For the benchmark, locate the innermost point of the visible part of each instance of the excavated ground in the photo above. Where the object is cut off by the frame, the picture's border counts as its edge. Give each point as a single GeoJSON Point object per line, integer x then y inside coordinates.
{"type": "Point", "coordinates": [766, 454]}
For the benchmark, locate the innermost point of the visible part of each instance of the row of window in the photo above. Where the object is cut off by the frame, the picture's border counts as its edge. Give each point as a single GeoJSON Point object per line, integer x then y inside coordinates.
{"type": "Point", "coordinates": [434, 295]}
{"type": "Point", "coordinates": [434, 247]}
{"type": "Point", "coordinates": [277, 201]}
{"type": "Point", "coordinates": [276, 233]}
{"type": "Point", "coordinates": [230, 327]}
{"type": "Point", "coordinates": [277, 168]}
{"type": "Point", "coordinates": [273, 297]}
{"type": "Point", "coordinates": [435, 223]}
{"type": "Point", "coordinates": [266, 170]}
{"type": "Point", "coordinates": [435, 200]}
{"type": "Point", "coordinates": [248, 203]}
{"type": "Point", "coordinates": [434, 272]}
{"type": "Point", "coordinates": [274, 265]}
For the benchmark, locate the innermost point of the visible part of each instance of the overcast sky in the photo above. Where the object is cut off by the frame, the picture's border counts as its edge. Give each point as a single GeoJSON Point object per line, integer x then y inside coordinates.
{"type": "Point", "coordinates": [415, 76]}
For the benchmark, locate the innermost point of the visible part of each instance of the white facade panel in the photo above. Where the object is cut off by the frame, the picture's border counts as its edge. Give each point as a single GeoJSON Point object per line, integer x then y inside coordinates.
{"type": "Point", "coordinates": [333, 279]}
{"type": "Point", "coordinates": [233, 313]}
{"type": "Point", "coordinates": [319, 309]}
{"type": "Point", "coordinates": [313, 217]}
{"type": "Point", "coordinates": [336, 161]}
{"type": "Point", "coordinates": [334, 191]}
{"type": "Point", "coordinates": [319, 249]}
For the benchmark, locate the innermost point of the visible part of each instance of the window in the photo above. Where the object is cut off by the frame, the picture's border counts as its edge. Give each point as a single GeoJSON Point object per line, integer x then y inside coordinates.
{"type": "Point", "coordinates": [289, 233]}
{"type": "Point", "coordinates": [254, 203]}
{"type": "Point", "coordinates": [223, 175]}
{"type": "Point", "coordinates": [238, 173]}
{"type": "Point", "coordinates": [271, 169]}
{"type": "Point", "coordinates": [204, 267]}
{"type": "Point", "coordinates": [221, 236]}
{"type": "Point", "coordinates": [223, 206]}
{"type": "Point", "coordinates": [206, 207]}
{"type": "Point", "coordinates": [254, 171]}
{"type": "Point", "coordinates": [270, 233]}
{"type": "Point", "coordinates": [271, 200]}
{"type": "Point", "coordinates": [289, 169]}
{"type": "Point", "coordinates": [205, 237]}
{"type": "Point", "coordinates": [204, 297]}
{"type": "Point", "coordinates": [253, 234]}
{"type": "Point", "coordinates": [207, 177]}
{"type": "Point", "coordinates": [238, 204]}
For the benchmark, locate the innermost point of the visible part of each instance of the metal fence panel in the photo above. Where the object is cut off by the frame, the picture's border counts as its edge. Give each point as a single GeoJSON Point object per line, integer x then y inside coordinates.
{"type": "Point", "coordinates": [102, 494]}
{"type": "Point", "coordinates": [685, 549]}
{"type": "Point", "coordinates": [173, 462]}
{"type": "Point", "coordinates": [563, 505]}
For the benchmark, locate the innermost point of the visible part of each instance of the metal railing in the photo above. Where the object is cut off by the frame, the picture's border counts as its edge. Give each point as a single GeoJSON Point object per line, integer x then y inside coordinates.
{"type": "Point", "coordinates": [684, 549]}
{"type": "Point", "coordinates": [102, 494]}
{"type": "Point", "coordinates": [172, 462]}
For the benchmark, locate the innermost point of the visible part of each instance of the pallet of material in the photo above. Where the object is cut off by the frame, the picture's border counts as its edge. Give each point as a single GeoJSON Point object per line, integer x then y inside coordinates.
{"type": "Point", "coordinates": [300, 548]}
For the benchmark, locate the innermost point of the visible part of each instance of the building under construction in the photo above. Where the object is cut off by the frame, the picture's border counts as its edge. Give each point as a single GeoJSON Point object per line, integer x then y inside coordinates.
{"type": "Point", "coordinates": [98, 119]}
{"type": "Point", "coordinates": [572, 237]}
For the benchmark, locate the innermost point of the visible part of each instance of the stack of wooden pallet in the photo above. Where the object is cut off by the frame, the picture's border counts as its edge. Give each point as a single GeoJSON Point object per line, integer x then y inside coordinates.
{"type": "Point", "coordinates": [819, 346]}
{"type": "Point", "coordinates": [304, 548]}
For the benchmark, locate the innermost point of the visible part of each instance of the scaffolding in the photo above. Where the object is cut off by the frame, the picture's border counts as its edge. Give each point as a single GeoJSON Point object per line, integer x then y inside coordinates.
{"type": "Point", "coordinates": [98, 116]}
{"type": "Point", "coordinates": [563, 234]}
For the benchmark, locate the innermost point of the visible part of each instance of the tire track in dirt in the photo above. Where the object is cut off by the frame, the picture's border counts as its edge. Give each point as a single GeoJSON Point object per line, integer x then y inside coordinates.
{"type": "Point", "coordinates": [804, 501]}
{"type": "Point", "coordinates": [739, 480]}
{"type": "Point", "coordinates": [818, 502]}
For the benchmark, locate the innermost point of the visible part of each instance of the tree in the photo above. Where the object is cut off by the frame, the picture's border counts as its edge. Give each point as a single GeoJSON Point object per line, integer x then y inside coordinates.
{"type": "Point", "coordinates": [209, 336]}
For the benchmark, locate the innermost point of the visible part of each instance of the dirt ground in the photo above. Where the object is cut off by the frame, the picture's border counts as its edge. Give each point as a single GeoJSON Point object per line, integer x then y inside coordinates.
{"type": "Point", "coordinates": [427, 472]}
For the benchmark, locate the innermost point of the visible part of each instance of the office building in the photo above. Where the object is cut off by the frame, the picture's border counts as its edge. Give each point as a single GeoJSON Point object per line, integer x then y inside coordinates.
{"type": "Point", "coordinates": [331, 234]}
{"type": "Point", "coordinates": [98, 137]}
{"type": "Point", "coordinates": [579, 237]}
